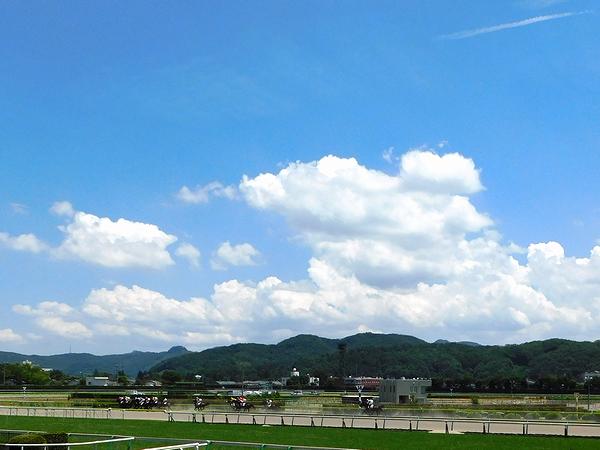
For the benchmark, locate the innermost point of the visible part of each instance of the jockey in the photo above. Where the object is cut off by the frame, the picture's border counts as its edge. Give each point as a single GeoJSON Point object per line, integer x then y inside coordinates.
{"type": "Point", "coordinates": [242, 400]}
{"type": "Point", "coordinates": [269, 403]}
{"type": "Point", "coordinates": [370, 403]}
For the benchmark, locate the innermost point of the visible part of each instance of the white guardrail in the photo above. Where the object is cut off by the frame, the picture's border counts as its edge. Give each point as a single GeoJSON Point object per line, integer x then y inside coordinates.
{"type": "Point", "coordinates": [68, 445]}
{"type": "Point", "coordinates": [410, 423]}
{"type": "Point", "coordinates": [185, 445]}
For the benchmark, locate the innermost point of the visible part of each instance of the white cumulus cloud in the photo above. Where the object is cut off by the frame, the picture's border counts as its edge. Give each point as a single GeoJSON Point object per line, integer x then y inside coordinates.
{"type": "Point", "coordinates": [24, 242]}
{"type": "Point", "coordinates": [234, 255]}
{"type": "Point", "coordinates": [62, 208]}
{"type": "Point", "coordinates": [386, 229]}
{"type": "Point", "coordinates": [189, 252]}
{"type": "Point", "coordinates": [64, 328]}
{"type": "Point", "coordinates": [120, 243]}
{"type": "Point", "coordinates": [46, 308]}
{"type": "Point", "coordinates": [55, 318]}
{"type": "Point", "coordinates": [405, 252]}
{"type": "Point", "coordinates": [7, 335]}
{"type": "Point", "coordinates": [202, 194]}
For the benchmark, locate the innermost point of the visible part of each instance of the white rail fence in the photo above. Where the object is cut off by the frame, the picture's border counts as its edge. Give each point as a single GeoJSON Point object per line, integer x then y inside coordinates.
{"type": "Point", "coordinates": [409, 423]}
{"type": "Point", "coordinates": [183, 445]}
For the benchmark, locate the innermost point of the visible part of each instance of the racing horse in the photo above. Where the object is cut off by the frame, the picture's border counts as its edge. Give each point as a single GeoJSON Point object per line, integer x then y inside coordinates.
{"type": "Point", "coordinates": [369, 407]}
{"type": "Point", "coordinates": [199, 404]}
{"type": "Point", "coordinates": [240, 405]}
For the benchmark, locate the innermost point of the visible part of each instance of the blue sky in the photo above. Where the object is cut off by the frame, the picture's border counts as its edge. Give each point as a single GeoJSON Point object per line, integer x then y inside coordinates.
{"type": "Point", "coordinates": [115, 107]}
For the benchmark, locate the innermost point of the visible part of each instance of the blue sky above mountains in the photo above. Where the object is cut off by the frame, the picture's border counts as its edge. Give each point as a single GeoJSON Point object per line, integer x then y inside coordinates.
{"type": "Point", "coordinates": [204, 174]}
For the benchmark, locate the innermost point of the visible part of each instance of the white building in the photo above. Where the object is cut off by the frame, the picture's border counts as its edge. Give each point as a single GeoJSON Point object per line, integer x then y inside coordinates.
{"type": "Point", "coordinates": [98, 381]}
{"type": "Point", "coordinates": [403, 390]}
{"type": "Point", "coordinates": [313, 381]}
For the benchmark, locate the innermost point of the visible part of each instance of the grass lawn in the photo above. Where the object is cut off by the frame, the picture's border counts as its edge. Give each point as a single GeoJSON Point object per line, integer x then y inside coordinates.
{"type": "Point", "coordinates": [328, 437]}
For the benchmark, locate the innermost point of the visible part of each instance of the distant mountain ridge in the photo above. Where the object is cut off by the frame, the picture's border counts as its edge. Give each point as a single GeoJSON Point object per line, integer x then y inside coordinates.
{"type": "Point", "coordinates": [86, 363]}
{"type": "Point", "coordinates": [391, 355]}
{"type": "Point", "coordinates": [370, 354]}
{"type": "Point", "coordinates": [274, 360]}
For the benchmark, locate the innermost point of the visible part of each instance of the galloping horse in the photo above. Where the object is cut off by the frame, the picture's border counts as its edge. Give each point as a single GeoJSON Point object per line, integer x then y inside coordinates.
{"type": "Point", "coordinates": [374, 410]}
{"type": "Point", "coordinates": [369, 407]}
{"type": "Point", "coordinates": [199, 404]}
{"type": "Point", "coordinates": [239, 405]}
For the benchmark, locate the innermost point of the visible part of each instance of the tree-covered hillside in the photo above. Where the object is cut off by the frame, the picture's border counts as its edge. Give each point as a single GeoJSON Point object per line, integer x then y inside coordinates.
{"type": "Point", "coordinates": [554, 361]}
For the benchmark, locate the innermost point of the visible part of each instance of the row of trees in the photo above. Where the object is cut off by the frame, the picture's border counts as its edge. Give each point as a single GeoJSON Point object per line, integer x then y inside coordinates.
{"type": "Point", "coordinates": [27, 373]}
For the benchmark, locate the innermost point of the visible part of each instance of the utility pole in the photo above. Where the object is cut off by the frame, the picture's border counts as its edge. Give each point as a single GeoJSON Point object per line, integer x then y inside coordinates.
{"type": "Point", "coordinates": [588, 380]}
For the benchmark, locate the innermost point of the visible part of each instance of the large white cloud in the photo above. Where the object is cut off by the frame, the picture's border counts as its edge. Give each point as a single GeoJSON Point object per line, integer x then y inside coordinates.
{"type": "Point", "coordinates": [386, 229]}
{"type": "Point", "coordinates": [105, 242]}
{"type": "Point", "coordinates": [407, 252]}
{"type": "Point", "coordinates": [120, 243]}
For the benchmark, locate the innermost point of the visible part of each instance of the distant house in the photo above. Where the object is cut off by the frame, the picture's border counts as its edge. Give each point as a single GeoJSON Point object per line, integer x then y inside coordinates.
{"type": "Point", "coordinates": [99, 381]}
{"type": "Point", "coordinates": [403, 390]}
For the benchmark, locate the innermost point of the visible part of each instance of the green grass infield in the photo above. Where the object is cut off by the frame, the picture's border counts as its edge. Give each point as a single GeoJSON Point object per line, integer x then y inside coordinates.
{"type": "Point", "coordinates": [326, 437]}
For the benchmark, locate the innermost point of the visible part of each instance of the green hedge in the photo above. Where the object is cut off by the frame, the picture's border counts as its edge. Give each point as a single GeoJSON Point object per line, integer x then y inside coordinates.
{"type": "Point", "coordinates": [29, 438]}
{"type": "Point", "coordinates": [56, 438]}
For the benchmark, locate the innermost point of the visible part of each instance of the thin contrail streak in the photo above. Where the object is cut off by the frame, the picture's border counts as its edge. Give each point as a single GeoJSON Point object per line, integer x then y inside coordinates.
{"type": "Point", "coordinates": [505, 26]}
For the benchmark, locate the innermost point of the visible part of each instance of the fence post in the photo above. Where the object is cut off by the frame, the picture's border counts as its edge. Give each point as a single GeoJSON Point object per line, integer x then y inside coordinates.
{"type": "Point", "coordinates": [566, 429]}
{"type": "Point", "coordinates": [410, 425]}
{"type": "Point", "coordinates": [312, 422]}
{"type": "Point", "coordinates": [226, 419]}
{"type": "Point", "coordinates": [446, 427]}
{"type": "Point", "coordinates": [253, 420]}
{"type": "Point", "coordinates": [282, 422]}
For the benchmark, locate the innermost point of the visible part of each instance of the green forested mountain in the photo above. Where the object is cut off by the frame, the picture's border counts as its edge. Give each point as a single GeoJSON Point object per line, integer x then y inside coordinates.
{"type": "Point", "coordinates": [312, 354]}
{"type": "Point", "coordinates": [553, 364]}
{"type": "Point", "coordinates": [86, 363]}
{"type": "Point", "coordinates": [549, 361]}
